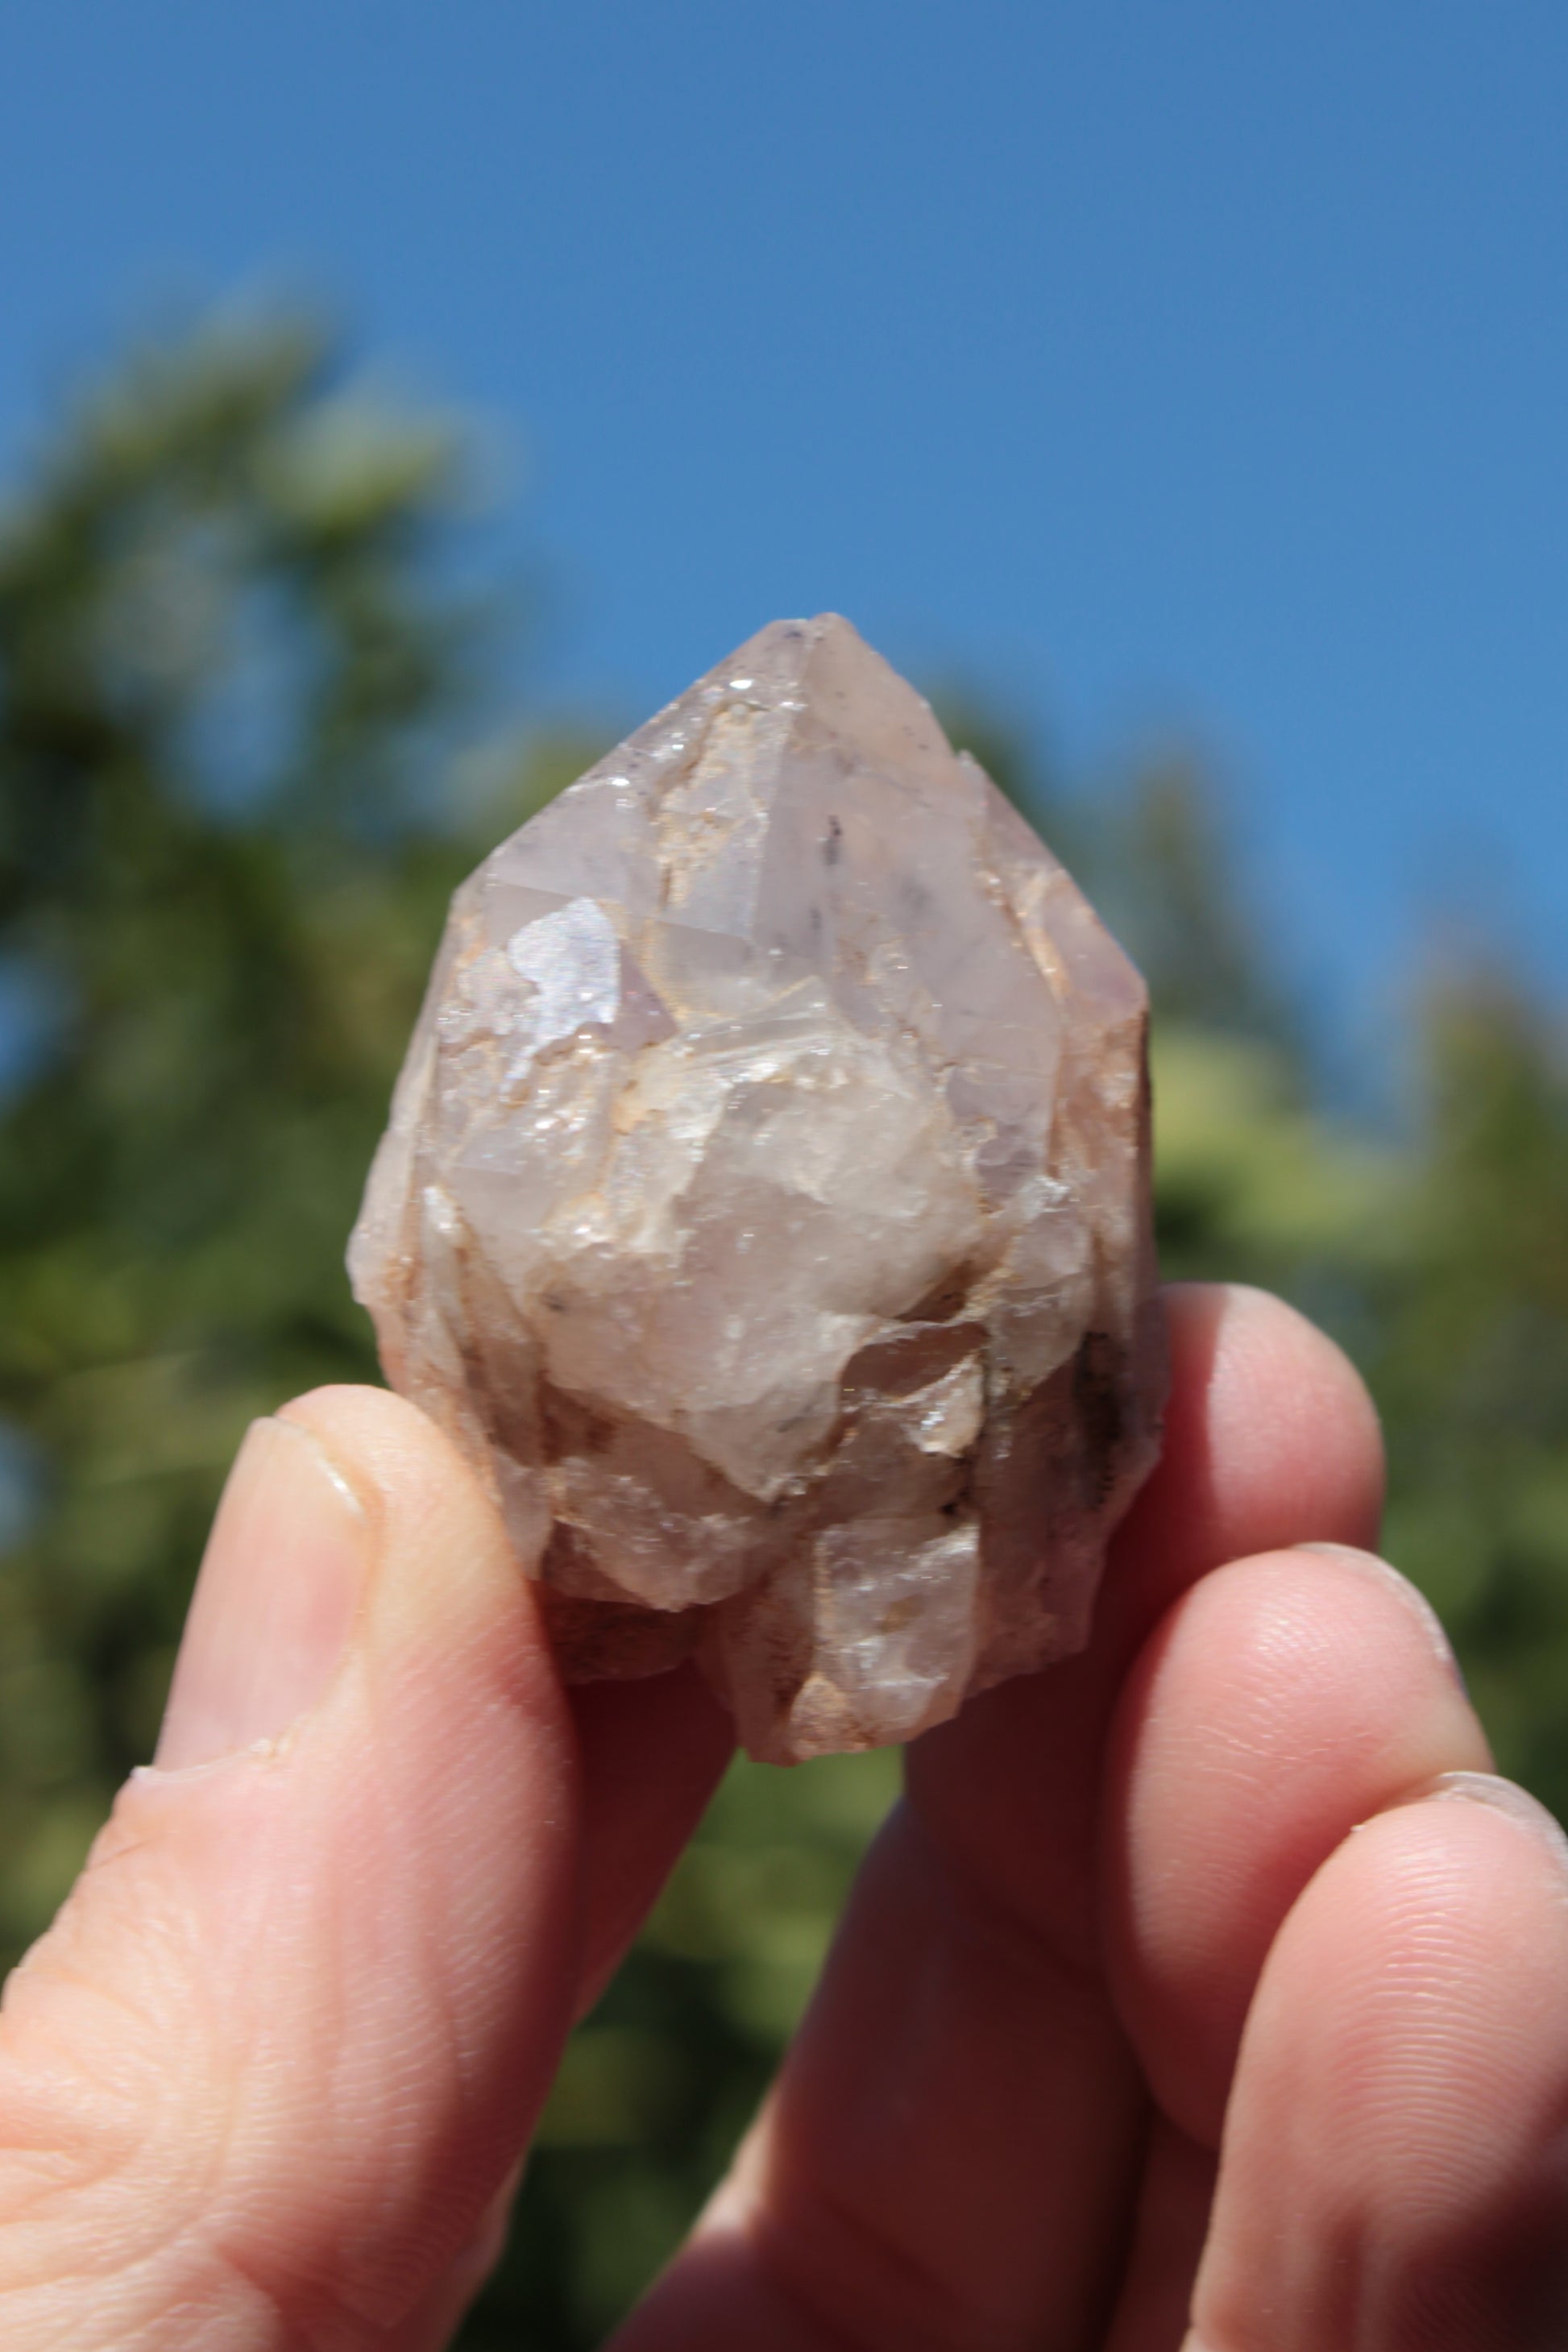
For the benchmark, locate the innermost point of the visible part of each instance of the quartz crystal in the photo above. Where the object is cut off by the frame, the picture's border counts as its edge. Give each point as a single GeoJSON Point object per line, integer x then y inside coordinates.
{"type": "Point", "coordinates": [764, 1209]}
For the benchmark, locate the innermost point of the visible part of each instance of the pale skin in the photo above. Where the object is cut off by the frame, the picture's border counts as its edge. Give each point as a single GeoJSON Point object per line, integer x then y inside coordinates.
{"type": "Point", "coordinates": [1188, 2003]}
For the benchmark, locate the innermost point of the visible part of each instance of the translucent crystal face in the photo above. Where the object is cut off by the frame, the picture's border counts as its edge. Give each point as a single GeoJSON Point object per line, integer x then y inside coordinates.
{"type": "Point", "coordinates": [764, 1207]}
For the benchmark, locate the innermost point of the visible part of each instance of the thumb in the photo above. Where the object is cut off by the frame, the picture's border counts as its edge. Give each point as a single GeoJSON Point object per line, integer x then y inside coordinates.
{"type": "Point", "coordinates": [264, 2079]}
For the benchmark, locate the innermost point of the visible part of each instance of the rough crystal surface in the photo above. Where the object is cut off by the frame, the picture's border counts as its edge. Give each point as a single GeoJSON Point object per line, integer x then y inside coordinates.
{"type": "Point", "coordinates": [764, 1208]}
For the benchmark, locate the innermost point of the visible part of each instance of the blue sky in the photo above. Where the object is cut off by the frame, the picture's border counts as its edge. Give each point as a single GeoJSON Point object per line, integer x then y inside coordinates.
{"type": "Point", "coordinates": [1161, 363]}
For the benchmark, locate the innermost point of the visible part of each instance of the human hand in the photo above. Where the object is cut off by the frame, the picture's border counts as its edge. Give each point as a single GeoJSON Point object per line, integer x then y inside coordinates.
{"type": "Point", "coordinates": [265, 2082]}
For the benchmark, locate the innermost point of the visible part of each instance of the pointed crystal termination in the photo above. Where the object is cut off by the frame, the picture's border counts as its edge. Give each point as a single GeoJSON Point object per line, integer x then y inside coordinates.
{"type": "Point", "coordinates": [764, 1209]}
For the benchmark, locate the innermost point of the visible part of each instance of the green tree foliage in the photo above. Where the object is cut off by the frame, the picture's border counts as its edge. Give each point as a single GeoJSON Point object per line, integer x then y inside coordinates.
{"type": "Point", "coordinates": [219, 656]}
{"type": "Point", "coordinates": [241, 767]}
{"type": "Point", "coordinates": [1470, 1361]}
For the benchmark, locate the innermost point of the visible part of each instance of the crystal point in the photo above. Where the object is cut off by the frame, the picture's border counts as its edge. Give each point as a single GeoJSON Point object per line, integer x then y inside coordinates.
{"type": "Point", "coordinates": [764, 1208]}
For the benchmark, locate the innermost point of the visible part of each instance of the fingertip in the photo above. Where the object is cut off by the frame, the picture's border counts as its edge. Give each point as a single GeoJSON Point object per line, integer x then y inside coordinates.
{"type": "Point", "coordinates": [449, 1573]}
{"type": "Point", "coordinates": [1288, 1386]}
{"type": "Point", "coordinates": [1393, 2167]}
{"type": "Point", "coordinates": [1302, 1437]}
{"type": "Point", "coordinates": [1281, 1700]}
{"type": "Point", "coordinates": [1271, 1439]}
{"type": "Point", "coordinates": [1498, 1795]}
{"type": "Point", "coordinates": [283, 1582]}
{"type": "Point", "coordinates": [386, 1445]}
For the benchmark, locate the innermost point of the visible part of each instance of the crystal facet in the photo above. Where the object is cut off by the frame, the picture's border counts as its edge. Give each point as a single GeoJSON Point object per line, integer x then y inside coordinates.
{"type": "Point", "coordinates": [764, 1208]}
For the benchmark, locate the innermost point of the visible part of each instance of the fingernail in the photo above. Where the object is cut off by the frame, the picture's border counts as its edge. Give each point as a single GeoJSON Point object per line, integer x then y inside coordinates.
{"type": "Point", "coordinates": [275, 1602]}
{"type": "Point", "coordinates": [1413, 1598]}
{"type": "Point", "coordinates": [1503, 1797]}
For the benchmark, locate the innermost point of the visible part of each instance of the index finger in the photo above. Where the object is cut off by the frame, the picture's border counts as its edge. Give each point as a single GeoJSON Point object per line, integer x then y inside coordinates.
{"type": "Point", "coordinates": [1270, 1440]}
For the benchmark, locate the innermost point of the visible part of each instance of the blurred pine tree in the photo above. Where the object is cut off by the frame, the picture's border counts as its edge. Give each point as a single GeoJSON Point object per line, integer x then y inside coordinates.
{"type": "Point", "coordinates": [1469, 1358]}
{"type": "Point", "coordinates": [226, 677]}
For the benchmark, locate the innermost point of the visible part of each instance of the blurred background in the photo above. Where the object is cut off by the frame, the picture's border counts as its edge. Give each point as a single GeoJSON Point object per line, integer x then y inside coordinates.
{"type": "Point", "coordinates": [397, 403]}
